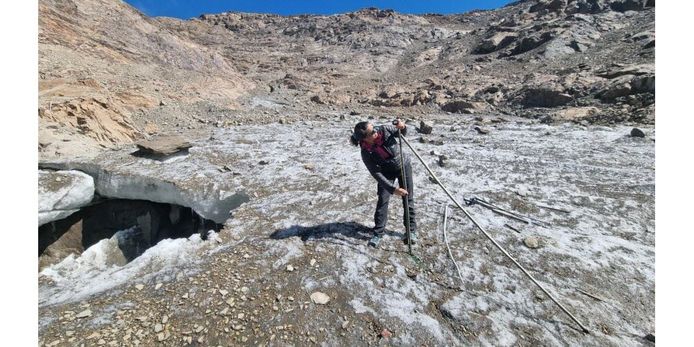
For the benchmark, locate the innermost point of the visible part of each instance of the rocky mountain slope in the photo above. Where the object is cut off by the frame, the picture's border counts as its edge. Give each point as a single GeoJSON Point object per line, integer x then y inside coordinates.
{"type": "Point", "coordinates": [109, 74]}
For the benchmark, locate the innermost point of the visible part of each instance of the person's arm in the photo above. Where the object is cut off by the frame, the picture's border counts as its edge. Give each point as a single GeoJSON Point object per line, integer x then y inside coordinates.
{"type": "Point", "coordinates": [376, 173]}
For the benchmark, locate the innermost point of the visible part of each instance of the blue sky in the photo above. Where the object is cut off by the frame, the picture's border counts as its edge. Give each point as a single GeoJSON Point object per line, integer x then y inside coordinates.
{"type": "Point", "coordinates": [185, 9]}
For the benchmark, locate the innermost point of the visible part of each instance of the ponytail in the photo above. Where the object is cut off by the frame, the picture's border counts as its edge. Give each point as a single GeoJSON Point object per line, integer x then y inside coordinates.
{"type": "Point", "coordinates": [353, 140]}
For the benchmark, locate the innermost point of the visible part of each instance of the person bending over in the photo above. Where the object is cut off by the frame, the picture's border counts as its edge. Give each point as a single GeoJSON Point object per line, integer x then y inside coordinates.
{"type": "Point", "coordinates": [381, 155]}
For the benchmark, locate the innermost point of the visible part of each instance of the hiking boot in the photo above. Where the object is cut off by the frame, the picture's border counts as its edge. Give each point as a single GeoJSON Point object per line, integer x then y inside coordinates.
{"type": "Point", "coordinates": [413, 237]}
{"type": "Point", "coordinates": [375, 240]}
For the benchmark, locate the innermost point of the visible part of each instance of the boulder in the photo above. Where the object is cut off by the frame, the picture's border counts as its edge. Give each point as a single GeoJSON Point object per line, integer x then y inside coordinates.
{"type": "Point", "coordinates": [544, 96]}
{"type": "Point", "coordinates": [628, 5]}
{"type": "Point", "coordinates": [495, 42]}
{"type": "Point", "coordinates": [586, 7]}
{"type": "Point", "coordinates": [615, 91]}
{"type": "Point", "coordinates": [559, 47]}
{"type": "Point", "coordinates": [643, 37]}
{"type": "Point", "coordinates": [548, 6]}
{"type": "Point", "coordinates": [163, 145]}
{"type": "Point", "coordinates": [62, 193]}
{"type": "Point", "coordinates": [643, 84]}
{"type": "Point", "coordinates": [461, 106]}
{"type": "Point", "coordinates": [576, 113]}
{"type": "Point", "coordinates": [531, 42]}
{"type": "Point", "coordinates": [636, 132]}
{"type": "Point", "coordinates": [318, 100]}
{"type": "Point", "coordinates": [425, 128]}
{"type": "Point", "coordinates": [390, 92]}
{"type": "Point", "coordinates": [632, 69]}
{"type": "Point", "coordinates": [421, 97]}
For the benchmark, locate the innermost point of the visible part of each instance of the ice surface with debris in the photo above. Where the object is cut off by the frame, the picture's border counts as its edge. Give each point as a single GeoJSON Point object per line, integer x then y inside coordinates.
{"type": "Point", "coordinates": [307, 185]}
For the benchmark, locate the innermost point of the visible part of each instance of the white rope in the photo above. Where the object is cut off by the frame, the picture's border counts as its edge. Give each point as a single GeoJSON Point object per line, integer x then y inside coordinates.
{"type": "Point", "coordinates": [445, 240]}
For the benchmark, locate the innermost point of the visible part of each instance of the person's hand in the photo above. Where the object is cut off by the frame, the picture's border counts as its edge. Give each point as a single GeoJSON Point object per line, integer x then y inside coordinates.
{"type": "Point", "coordinates": [399, 124]}
{"type": "Point", "coordinates": [400, 192]}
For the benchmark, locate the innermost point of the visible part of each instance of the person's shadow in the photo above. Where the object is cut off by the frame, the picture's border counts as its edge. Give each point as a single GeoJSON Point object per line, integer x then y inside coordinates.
{"type": "Point", "coordinates": [329, 230]}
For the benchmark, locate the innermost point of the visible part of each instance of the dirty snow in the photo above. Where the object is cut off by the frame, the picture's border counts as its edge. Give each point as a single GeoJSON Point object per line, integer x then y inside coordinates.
{"type": "Point", "coordinates": [102, 267]}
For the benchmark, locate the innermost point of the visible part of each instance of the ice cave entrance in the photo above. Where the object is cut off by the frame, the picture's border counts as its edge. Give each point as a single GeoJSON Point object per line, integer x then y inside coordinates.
{"type": "Point", "coordinates": [138, 224]}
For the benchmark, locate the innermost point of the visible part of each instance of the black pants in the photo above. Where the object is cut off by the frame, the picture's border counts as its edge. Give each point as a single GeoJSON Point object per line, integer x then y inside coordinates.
{"type": "Point", "coordinates": [381, 214]}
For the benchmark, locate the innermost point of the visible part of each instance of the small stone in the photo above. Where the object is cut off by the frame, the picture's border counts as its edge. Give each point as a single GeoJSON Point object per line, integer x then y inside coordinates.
{"type": "Point", "coordinates": [164, 319]}
{"type": "Point", "coordinates": [158, 327]}
{"type": "Point", "coordinates": [385, 333]}
{"type": "Point", "coordinates": [241, 315]}
{"type": "Point", "coordinates": [636, 132]}
{"type": "Point", "coordinates": [244, 290]}
{"type": "Point", "coordinates": [139, 286]}
{"type": "Point", "coordinates": [650, 337]}
{"type": "Point", "coordinates": [85, 313]}
{"type": "Point", "coordinates": [157, 286]}
{"type": "Point", "coordinates": [223, 292]}
{"type": "Point", "coordinates": [290, 268]}
{"type": "Point", "coordinates": [163, 336]}
{"type": "Point", "coordinates": [532, 242]}
{"type": "Point", "coordinates": [101, 342]}
{"type": "Point", "coordinates": [312, 262]}
{"type": "Point", "coordinates": [320, 298]}
{"type": "Point", "coordinates": [481, 131]}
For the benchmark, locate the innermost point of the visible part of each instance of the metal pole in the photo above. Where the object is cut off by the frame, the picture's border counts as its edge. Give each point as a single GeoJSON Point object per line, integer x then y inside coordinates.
{"type": "Point", "coordinates": [585, 330]}
{"type": "Point", "coordinates": [405, 198]}
{"type": "Point", "coordinates": [450, 254]}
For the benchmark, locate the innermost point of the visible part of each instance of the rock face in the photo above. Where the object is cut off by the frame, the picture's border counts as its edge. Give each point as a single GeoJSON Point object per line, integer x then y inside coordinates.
{"type": "Point", "coordinates": [62, 193]}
